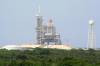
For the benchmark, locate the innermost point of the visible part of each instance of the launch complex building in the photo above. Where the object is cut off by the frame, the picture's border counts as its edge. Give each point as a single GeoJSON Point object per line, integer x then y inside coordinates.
{"type": "Point", "coordinates": [46, 34]}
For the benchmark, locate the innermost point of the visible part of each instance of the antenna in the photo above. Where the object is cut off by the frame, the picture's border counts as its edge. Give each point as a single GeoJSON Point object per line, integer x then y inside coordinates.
{"type": "Point", "coordinates": [39, 10]}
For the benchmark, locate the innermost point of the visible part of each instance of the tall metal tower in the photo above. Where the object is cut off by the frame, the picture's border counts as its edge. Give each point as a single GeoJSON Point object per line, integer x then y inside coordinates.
{"type": "Point", "coordinates": [39, 26]}
{"type": "Point", "coordinates": [91, 35]}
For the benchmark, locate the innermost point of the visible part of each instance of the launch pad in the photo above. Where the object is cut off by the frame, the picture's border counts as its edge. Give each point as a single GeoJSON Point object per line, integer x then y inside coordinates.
{"type": "Point", "coordinates": [46, 34]}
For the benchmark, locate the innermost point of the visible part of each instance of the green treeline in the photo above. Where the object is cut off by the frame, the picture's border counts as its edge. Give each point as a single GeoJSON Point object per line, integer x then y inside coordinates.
{"type": "Point", "coordinates": [50, 57]}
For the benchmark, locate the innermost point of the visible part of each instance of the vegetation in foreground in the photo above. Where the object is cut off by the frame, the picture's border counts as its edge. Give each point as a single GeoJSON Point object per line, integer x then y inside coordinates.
{"type": "Point", "coordinates": [50, 57]}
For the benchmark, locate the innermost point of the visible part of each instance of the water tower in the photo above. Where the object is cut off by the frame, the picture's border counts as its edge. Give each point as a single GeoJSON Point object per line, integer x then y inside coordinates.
{"type": "Point", "coordinates": [91, 35]}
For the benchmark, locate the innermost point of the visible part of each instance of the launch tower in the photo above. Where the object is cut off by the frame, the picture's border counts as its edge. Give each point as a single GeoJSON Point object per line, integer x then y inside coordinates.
{"type": "Point", "coordinates": [46, 34]}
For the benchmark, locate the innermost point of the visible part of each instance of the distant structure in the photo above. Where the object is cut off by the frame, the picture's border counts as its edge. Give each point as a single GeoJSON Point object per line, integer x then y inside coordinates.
{"type": "Point", "coordinates": [46, 37]}
{"type": "Point", "coordinates": [46, 34]}
{"type": "Point", "coordinates": [91, 35]}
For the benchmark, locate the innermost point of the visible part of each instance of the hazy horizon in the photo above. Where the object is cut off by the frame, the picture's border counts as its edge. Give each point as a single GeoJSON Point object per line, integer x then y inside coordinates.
{"type": "Point", "coordinates": [71, 17]}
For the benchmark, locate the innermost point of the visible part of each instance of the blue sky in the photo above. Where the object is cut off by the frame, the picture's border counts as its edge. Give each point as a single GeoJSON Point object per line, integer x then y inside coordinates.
{"type": "Point", "coordinates": [18, 21]}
